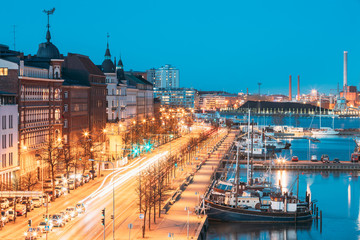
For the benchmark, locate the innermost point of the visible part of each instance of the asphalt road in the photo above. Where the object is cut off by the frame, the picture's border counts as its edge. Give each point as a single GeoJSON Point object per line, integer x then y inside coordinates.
{"type": "Point", "coordinates": [98, 195]}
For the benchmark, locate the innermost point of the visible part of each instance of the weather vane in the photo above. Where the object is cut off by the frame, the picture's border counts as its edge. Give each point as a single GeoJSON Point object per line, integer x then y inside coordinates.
{"type": "Point", "coordinates": [48, 13]}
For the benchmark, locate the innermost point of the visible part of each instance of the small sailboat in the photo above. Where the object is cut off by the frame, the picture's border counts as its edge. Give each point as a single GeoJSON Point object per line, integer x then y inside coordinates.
{"type": "Point", "coordinates": [324, 131]}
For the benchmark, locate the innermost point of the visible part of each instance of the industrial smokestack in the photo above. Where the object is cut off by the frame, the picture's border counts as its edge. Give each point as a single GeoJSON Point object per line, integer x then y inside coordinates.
{"type": "Point", "coordinates": [298, 92]}
{"type": "Point", "coordinates": [345, 73]}
{"type": "Point", "coordinates": [290, 99]}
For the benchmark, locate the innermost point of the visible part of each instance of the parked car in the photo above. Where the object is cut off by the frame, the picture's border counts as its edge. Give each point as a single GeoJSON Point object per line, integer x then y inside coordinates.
{"type": "Point", "coordinates": [37, 202]}
{"type": "Point", "coordinates": [78, 182]}
{"type": "Point", "coordinates": [11, 202]}
{"type": "Point", "coordinates": [94, 172]}
{"type": "Point", "coordinates": [294, 159]}
{"type": "Point", "coordinates": [48, 183]}
{"type": "Point", "coordinates": [5, 216]}
{"type": "Point", "coordinates": [72, 211]}
{"type": "Point", "coordinates": [33, 233]}
{"type": "Point", "coordinates": [86, 178]}
{"type": "Point", "coordinates": [66, 216]}
{"type": "Point", "coordinates": [57, 220]}
{"type": "Point", "coordinates": [355, 157]}
{"type": "Point", "coordinates": [314, 158]}
{"type": "Point", "coordinates": [11, 214]}
{"type": "Point", "coordinates": [43, 198]}
{"type": "Point", "coordinates": [71, 184]}
{"type": "Point", "coordinates": [49, 192]}
{"type": "Point", "coordinates": [325, 158]}
{"type": "Point", "coordinates": [44, 225]}
{"type": "Point", "coordinates": [4, 203]}
{"type": "Point", "coordinates": [20, 210]}
{"type": "Point", "coordinates": [80, 207]}
{"type": "Point", "coordinates": [336, 160]}
{"type": "Point", "coordinates": [62, 190]}
{"type": "Point", "coordinates": [60, 178]}
{"type": "Point", "coordinates": [29, 205]}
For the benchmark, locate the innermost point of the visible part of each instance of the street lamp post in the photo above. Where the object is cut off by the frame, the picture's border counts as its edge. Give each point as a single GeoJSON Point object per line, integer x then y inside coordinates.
{"type": "Point", "coordinates": [113, 216]}
{"type": "Point", "coordinates": [188, 213]}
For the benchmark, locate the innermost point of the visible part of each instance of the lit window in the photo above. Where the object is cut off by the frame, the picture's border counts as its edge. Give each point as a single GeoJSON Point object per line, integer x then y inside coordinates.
{"type": "Point", "coordinates": [3, 71]}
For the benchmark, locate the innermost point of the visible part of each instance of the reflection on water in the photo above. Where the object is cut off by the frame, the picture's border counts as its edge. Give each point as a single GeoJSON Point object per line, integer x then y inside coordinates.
{"type": "Point", "coordinates": [282, 179]}
{"type": "Point", "coordinates": [259, 231]}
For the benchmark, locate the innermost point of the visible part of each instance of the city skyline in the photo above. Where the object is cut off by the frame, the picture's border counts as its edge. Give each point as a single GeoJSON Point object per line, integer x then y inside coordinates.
{"type": "Point", "coordinates": [208, 43]}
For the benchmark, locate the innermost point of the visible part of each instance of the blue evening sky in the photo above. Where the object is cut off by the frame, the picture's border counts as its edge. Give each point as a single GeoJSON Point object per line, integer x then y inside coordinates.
{"type": "Point", "coordinates": [217, 45]}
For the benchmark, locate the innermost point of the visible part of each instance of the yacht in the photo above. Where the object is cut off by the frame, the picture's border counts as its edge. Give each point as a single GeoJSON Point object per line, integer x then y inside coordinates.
{"type": "Point", "coordinates": [324, 131]}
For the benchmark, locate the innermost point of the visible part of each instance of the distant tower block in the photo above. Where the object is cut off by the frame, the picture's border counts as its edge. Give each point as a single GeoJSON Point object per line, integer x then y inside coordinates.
{"type": "Point", "coordinates": [298, 88]}
{"type": "Point", "coordinates": [290, 93]}
{"type": "Point", "coordinates": [345, 73]}
{"type": "Point", "coordinates": [259, 83]}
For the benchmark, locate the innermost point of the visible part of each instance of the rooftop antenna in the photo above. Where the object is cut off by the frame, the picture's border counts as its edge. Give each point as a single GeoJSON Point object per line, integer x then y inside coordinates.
{"type": "Point", "coordinates": [107, 39]}
{"type": "Point", "coordinates": [48, 13]}
{"type": "Point", "coordinates": [259, 83]}
{"type": "Point", "coordinates": [14, 37]}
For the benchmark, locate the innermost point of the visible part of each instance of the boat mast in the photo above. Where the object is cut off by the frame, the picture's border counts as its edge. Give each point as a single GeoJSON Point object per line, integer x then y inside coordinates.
{"type": "Point", "coordinates": [248, 147]}
{"type": "Point", "coordinates": [320, 111]}
{"type": "Point", "coordinates": [252, 152]}
{"type": "Point", "coordinates": [297, 188]}
{"type": "Point", "coordinates": [237, 174]}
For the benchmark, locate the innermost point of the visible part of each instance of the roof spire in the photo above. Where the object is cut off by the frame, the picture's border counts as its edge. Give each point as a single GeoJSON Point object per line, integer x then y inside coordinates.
{"type": "Point", "coordinates": [107, 52]}
{"type": "Point", "coordinates": [48, 13]}
{"type": "Point", "coordinates": [120, 63]}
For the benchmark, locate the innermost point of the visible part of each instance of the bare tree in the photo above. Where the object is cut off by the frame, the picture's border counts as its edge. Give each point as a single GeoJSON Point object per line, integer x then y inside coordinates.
{"type": "Point", "coordinates": [51, 154]}
{"type": "Point", "coordinates": [28, 182]}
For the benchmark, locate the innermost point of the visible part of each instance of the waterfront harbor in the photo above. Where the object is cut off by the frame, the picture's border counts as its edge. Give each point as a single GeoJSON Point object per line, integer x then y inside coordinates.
{"type": "Point", "coordinates": [185, 209]}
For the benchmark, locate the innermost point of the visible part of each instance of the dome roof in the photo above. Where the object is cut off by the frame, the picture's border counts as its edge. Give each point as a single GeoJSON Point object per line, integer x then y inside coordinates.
{"type": "Point", "coordinates": [107, 66]}
{"type": "Point", "coordinates": [48, 50]}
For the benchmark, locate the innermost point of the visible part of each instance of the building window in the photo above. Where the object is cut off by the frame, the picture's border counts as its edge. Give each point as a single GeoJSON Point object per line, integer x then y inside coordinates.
{"type": "Point", "coordinates": [3, 160]}
{"type": "Point", "coordinates": [66, 94]}
{"type": "Point", "coordinates": [11, 159]}
{"type": "Point", "coordinates": [3, 122]}
{"type": "Point", "coordinates": [3, 71]}
{"type": "Point", "coordinates": [10, 140]}
{"type": "Point", "coordinates": [66, 108]}
{"type": "Point", "coordinates": [57, 94]}
{"type": "Point", "coordinates": [3, 141]}
{"type": "Point", "coordinates": [57, 114]}
{"type": "Point", "coordinates": [65, 123]}
{"type": "Point", "coordinates": [10, 121]}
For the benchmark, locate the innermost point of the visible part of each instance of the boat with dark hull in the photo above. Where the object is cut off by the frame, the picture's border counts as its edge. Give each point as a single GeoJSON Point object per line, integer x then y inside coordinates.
{"type": "Point", "coordinates": [219, 212]}
{"type": "Point", "coordinates": [255, 200]}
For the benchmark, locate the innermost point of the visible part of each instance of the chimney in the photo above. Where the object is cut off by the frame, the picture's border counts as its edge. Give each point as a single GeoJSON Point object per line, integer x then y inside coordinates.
{"type": "Point", "coordinates": [247, 91]}
{"type": "Point", "coordinates": [345, 73]}
{"type": "Point", "coordinates": [298, 92]}
{"type": "Point", "coordinates": [290, 99]}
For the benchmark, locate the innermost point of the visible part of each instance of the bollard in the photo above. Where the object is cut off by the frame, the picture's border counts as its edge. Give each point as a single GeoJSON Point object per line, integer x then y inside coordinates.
{"type": "Point", "coordinates": [320, 221]}
{"type": "Point", "coordinates": [312, 208]}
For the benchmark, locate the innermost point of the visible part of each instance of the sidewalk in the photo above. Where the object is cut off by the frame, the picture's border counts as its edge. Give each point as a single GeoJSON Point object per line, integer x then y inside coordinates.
{"type": "Point", "coordinates": [175, 221]}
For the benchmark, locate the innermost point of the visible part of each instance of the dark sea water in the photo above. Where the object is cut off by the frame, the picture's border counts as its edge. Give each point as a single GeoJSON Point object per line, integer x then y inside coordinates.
{"type": "Point", "coordinates": [337, 195]}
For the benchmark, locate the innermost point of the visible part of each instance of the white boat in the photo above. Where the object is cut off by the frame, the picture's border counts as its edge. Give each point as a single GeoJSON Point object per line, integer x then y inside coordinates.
{"type": "Point", "coordinates": [324, 131]}
{"type": "Point", "coordinates": [357, 141]}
